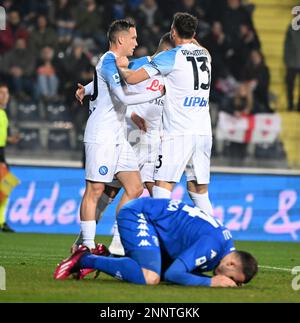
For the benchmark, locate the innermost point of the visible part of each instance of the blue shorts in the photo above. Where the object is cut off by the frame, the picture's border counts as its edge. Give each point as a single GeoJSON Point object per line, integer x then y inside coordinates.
{"type": "Point", "coordinates": [139, 239]}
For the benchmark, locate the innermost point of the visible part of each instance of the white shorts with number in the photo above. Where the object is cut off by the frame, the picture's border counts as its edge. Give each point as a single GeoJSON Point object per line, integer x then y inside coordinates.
{"type": "Point", "coordinates": [105, 160]}
{"type": "Point", "coordinates": [147, 156]}
{"type": "Point", "coordinates": [189, 153]}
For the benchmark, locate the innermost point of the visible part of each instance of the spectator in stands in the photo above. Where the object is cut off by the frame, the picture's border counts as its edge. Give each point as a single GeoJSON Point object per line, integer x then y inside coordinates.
{"type": "Point", "coordinates": [42, 36]}
{"type": "Point", "coordinates": [257, 73]}
{"type": "Point", "coordinates": [198, 9]}
{"type": "Point", "coordinates": [4, 138]}
{"type": "Point", "coordinates": [31, 9]}
{"type": "Point", "coordinates": [118, 9]}
{"type": "Point", "coordinates": [14, 30]}
{"type": "Point", "coordinates": [62, 17]}
{"type": "Point", "coordinates": [292, 62]}
{"type": "Point", "coordinates": [241, 103]}
{"type": "Point", "coordinates": [233, 16]}
{"type": "Point", "coordinates": [151, 24]}
{"type": "Point", "coordinates": [47, 80]}
{"type": "Point", "coordinates": [89, 22]}
{"type": "Point", "coordinates": [77, 68]}
{"type": "Point", "coordinates": [219, 47]}
{"type": "Point", "coordinates": [18, 68]}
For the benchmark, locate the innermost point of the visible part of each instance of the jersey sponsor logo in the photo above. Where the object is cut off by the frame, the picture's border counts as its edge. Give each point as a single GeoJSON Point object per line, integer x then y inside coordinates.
{"type": "Point", "coordinates": [160, 102]}
{"type": "Point", "coordinates": [144, 243]}
{"type": "Point", "coordinates": [103, 170]}
{"type": "Point", "coordinates": [212, 254]}
{"type": "Point", "coordinates": [195, 101]}
{"type": "Point", "coordinates": [200, 261]}
{"type": "Point", "coordinates": [116, 78]}
{"type": "Point", "coordinates": [155, 86]}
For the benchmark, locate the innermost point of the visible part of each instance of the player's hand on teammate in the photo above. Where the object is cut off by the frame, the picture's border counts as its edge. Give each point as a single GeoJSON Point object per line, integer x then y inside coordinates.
{"type": "Point", "coordinates": [139, 122]}
{"type": "Point", "coordinates": [162, 90]}
{"type": "Point", "coordinates": [80, 93]}
{"type": "Point", "coordinates": [122, 62]}
{"type": "Point", "coordinates": [222, 281]}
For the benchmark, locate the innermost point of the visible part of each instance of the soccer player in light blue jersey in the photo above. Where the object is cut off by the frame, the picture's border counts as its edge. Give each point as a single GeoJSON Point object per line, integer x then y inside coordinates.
{"type": "Point", "coordinates": [108, 153]}
{"type": "Point", "coordinates": [187, 134]}
{"type": "Point", "coordinates": [153, 230]}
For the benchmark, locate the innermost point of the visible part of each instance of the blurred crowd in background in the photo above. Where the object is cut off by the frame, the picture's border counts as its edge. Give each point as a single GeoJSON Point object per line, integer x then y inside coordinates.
{"type": "Point", "coordinates": [49, 46]}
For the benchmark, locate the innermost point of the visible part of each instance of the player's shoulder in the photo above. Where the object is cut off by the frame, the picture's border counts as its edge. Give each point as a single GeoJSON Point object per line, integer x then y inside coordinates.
{"type": "Point", "coordinates": [107, 61]}
{"type": "Point", "coordinates": [136, 63]}
{"type": "Point", "coordinates": [166, 56]}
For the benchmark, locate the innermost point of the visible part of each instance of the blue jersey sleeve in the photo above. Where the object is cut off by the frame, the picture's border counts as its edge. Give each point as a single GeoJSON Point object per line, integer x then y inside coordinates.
{"type": "Point", "coordinates": [177, 273]}
{"type": "Point", "coordinates": [199, 254]}
{"type": "Point", "coordinates": [109, 71]}
{"type": "Point", "coordinates": [163, 63]}
{"type": "Point", "coordinates": [135, 64]}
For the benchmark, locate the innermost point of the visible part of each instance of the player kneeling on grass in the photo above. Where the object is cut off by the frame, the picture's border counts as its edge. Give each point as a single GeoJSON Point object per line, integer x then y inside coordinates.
{"type": "Point", "coordinates": [194, 241]}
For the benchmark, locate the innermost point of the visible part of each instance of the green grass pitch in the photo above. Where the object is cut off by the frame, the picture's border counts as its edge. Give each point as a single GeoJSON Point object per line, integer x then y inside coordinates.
{"type": "Point", "coordinates": [30, 259]}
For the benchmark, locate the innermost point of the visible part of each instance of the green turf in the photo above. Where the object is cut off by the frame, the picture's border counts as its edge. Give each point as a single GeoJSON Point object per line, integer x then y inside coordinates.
{"type": "Point", "coordinates": [30, 259]}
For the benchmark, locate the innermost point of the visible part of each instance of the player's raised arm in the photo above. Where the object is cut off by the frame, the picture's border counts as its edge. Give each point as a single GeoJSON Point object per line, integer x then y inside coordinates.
{"type": "Point", "coordinates": [142, 97]}
{"type": "Point", "coordinates": [134, 77]}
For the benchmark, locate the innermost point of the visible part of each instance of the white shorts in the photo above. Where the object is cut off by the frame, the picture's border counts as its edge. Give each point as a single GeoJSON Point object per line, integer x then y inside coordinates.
{"type": "Point", "coordinates": [189, 153]}
{"type": "Point", "coordinates": [105, 160]}
{"type": "Point", "coordinates": [147, 155]}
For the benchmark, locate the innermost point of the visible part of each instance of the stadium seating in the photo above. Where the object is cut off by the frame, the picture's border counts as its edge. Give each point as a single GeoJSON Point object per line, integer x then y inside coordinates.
{"type": "Point", "coordinates": [57, 112]}
{"type": "Point", "coordinates": [59, 139]}
{"type": "Point", "coordinates": [30, 139]}
{"type": "Point", "coordinates": [28, 111]}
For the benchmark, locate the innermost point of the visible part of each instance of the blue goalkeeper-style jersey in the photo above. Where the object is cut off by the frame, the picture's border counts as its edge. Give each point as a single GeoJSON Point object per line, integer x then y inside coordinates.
{"type": "Point", "coordinates": [185, 232]}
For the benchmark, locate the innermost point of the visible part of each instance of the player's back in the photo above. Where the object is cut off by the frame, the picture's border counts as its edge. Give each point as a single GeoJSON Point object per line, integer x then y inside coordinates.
{"type": "Point", "coordinates": [179, 226]}
{"type": "Point", "coordinates": [187, 75]}
{"type": "Point", "coordinates": [107, 113]}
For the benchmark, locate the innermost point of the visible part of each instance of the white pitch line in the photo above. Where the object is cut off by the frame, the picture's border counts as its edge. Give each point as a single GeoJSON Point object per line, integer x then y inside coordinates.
{"type": "Point", "coordinates": [276, 268]}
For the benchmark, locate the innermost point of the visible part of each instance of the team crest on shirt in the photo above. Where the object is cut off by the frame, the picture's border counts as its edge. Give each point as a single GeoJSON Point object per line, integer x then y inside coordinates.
{"type": "Point", "coordinates": [116, 78]}
{"type": "Point", "coordinates": [200, 261]}
{"type": "Point", "coordinates": [103, 170]}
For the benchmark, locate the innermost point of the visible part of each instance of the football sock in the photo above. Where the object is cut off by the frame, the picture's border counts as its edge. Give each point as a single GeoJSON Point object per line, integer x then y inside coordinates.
{"type": "Point", "coordinates": [161, 193]}
{"type": "Point", "coordinates": [102, 204]}
{"type": "Point", "coordinates": [202, 202]}
{"type": "Point", "coordinates": [123, 268]}
{"type": "Point", "coordinates": [88, 230]}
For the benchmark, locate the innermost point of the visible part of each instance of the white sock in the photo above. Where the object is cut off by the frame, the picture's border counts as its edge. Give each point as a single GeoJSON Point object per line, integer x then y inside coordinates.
{"type": "Point", "coordinates": [161, 193]}
{"type": "Point", "coordinates": [102, 204]}
{"type": "Point", "coordinates": [116, 246]}
{"type": "Point", "coordinates": [202, 202]}
{"type": "Point", "coordinates": [88, 230]}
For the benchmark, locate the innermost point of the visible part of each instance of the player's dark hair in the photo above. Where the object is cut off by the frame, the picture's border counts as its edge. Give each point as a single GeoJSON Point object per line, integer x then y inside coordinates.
{"type": "Point", "coordinates": [249, 265]}
{"type": "Point", "coordinates": [185, 24]}
{"type": "Point", "coordinates": [166, 39]}
{"type": "Point", "coordinates": [2, 84]}
{"type": "Point", "coordinates": [117, 26]}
